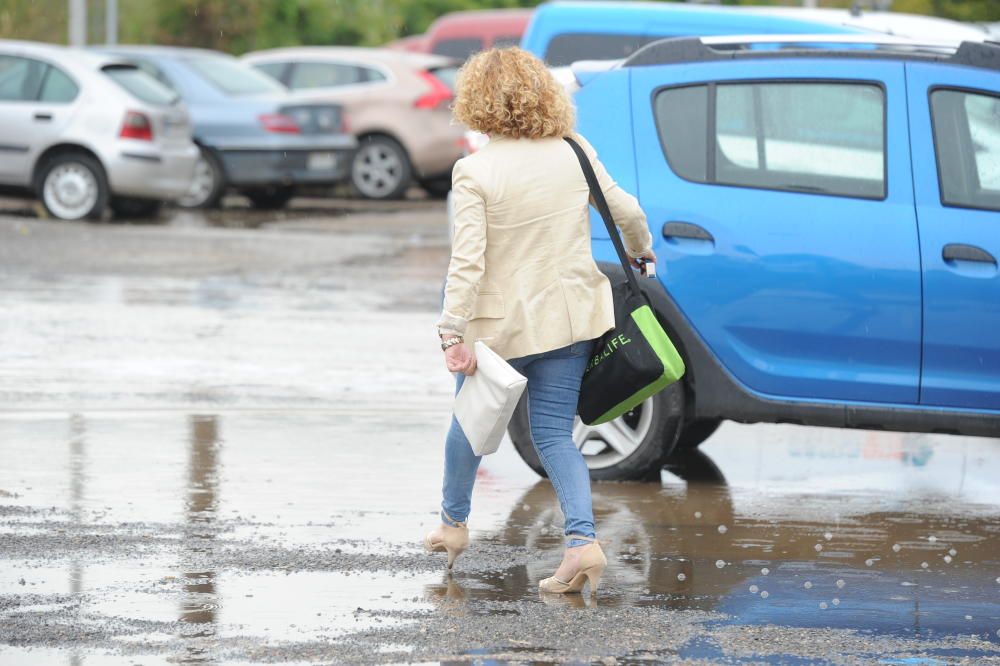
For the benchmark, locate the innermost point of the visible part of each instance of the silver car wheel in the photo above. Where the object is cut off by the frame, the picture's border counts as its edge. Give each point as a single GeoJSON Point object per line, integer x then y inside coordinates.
{"type": "Point", "coordinates": [377, 170]}
{"type": "Point", "coordinates": [70, 191]}
{"type": "Point", "coordinates": [202, 186]}
{"type": "Point", "coordinates": [608, 444]}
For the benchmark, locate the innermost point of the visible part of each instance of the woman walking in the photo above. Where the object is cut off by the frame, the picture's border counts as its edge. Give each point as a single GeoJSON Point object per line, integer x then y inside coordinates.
{"type": "Point", "coordinates": [523, 280]}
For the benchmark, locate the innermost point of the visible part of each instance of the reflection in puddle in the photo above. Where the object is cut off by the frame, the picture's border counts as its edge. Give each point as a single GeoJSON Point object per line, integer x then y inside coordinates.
{"type": "Point", "coordinates": [695, 547]}
{"type": "Point", "coordinates": [200, 601]}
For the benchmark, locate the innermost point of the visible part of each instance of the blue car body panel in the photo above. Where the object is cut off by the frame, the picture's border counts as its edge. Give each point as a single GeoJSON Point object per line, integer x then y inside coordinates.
{"type": "Point", "coordinates": [961, 308]}
{"type": "Point", "coordinates": [800, 294]}
{"type": "Point", "coordinates": [604, 111]}
{"type": "Point", "coordinates": [655, 20]}
{"type": "Point", "coordinates": [811, 297]}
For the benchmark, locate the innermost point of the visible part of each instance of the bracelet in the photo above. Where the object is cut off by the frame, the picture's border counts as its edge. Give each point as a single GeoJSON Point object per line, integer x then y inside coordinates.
{"type": "Point", "coordinates": [451, 342]}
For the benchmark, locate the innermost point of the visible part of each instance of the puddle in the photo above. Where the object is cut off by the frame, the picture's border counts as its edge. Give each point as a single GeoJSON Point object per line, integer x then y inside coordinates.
{"type": "Point", "coordinates": [242, 529]}
{"type": "Point", "coordinates": [203, 465]}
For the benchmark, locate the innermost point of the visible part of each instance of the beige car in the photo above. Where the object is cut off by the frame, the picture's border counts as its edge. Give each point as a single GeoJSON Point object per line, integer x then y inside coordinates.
{"type": "Point", "coordinates": [397, 104]}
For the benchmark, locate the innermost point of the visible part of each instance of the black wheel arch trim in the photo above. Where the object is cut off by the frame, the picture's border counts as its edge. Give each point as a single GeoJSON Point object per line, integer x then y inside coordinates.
{"type": "Point", "coordinates": [385, 134]}
{"type": "Point", "coordinates": [58, 149]}
{"type": "Point", "coordinates": [713, 393]}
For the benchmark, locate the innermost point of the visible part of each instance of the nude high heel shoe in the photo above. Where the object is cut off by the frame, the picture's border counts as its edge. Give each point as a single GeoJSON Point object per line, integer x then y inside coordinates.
{"type": "Point", "coordinates": [592, 564]}
{"type": "Point", "coordinates": [453, 540]}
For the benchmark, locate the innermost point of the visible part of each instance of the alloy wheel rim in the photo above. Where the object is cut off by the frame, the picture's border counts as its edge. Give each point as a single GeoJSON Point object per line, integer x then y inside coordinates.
{"type": "Point", "coordinates": [70, 191]}
{"type": "Point", "coordinates": [202, 185]}
{"type": "Point", "coordinates": [610, 443]}
{"type": "Point", "coordinates": [377, 170]}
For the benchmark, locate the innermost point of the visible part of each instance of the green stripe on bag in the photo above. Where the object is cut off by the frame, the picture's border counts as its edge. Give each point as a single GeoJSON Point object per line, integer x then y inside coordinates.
{"type": "Point", "coordinates": [659, 342]}
{"type": "Point", "coordinates": [673, 364]}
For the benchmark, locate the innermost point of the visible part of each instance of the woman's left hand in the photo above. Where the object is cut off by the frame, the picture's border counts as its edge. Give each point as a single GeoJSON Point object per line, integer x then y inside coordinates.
{"type": "Point", "coordinates": [459, 358]}
{"type": "Point", "coordinates": [648, 255]}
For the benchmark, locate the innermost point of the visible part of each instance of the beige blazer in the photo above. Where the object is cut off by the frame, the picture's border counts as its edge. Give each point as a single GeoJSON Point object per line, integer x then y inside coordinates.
{"type": "Point", "coordinates": [522, 277]}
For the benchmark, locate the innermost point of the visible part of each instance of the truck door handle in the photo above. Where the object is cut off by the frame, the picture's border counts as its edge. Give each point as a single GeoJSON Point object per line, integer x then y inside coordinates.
{"type": "Point", "coordinates": [43, 117]}
{"type": "Point", "coordinates": [963, 252]}
{"type": "Point", "coordinates": [686, 230]}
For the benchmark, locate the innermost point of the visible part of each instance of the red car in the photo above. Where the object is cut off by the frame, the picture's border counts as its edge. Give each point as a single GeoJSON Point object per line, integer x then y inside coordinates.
{"type": "Point", "coordinates": [460, 34]}
{"type": "Point", "coordinates": [413, 44]}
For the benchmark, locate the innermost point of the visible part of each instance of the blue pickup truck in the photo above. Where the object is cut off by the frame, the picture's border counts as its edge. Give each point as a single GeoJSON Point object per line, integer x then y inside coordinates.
{"type": "Point", "coordinates": [828, 225]}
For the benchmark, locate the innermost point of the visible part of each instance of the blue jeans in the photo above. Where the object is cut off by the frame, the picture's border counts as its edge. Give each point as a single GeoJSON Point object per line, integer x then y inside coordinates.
{"type": "Point", "coordinates": [553, 389]}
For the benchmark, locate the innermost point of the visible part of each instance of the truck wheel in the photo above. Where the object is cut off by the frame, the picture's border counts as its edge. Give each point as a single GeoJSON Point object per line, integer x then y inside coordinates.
{"type": "Point", "coordinates": [632, 447]}
{"type": "Point", "coordinates": [696, 432]}
{"type": "Point", "coordinates": [72, 186]}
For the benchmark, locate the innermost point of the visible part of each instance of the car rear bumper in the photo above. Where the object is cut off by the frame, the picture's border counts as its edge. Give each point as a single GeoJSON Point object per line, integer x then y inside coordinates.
{"type": "Point", "coordinates": [150, 173]}
{"type": "Point", "coordinates": [288, 160]}
{"type": "Point", "coordinates": [286, 167]}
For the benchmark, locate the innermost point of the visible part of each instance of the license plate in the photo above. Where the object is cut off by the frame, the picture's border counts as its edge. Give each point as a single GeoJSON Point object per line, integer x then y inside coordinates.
{"type": "Point", "coordinates": [321, 161]}
{"type": "Point", "coordinates": [176, 127]}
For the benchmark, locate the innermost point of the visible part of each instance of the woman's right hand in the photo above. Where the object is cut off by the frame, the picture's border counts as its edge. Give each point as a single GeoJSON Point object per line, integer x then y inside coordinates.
{"type": "Point", "coordinates": [459, 358]}
{"type": "Point", "coordinates": [648, 255]}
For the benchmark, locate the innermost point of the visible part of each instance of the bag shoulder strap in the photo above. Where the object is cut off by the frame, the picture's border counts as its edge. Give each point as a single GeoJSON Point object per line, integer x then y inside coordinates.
{"type": "Point", "coordinates": [602, 207]}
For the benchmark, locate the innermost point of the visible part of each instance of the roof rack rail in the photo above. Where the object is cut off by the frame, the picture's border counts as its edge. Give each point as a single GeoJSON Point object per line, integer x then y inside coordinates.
{"type": "Point", "coordinates": [984, 55]}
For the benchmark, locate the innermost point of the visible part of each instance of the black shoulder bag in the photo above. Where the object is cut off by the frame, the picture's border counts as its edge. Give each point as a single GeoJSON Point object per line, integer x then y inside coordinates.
{"type": "Point", "coordinates": [635, 359]}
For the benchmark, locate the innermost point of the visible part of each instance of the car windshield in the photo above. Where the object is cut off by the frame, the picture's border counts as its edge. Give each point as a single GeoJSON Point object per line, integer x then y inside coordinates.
{"type": "Point", "coordinates": [233, 78]}
{"type": "Point", "coordinates": [141, 85]}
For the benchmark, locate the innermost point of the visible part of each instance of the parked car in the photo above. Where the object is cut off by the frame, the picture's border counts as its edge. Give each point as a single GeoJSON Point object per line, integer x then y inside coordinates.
{"type": "Point", "coordinates": [460, 34]}
{"type": "Point", "coordinates": [84, 131]}
{"type": "Point", "coordinates": [398, 106]}
{"type": "Point", "coordinates": [828, 226]}
{"type": "Point", "coordinates": [561, 33]}
{"type": "Point", "coordinates": [254, 136]}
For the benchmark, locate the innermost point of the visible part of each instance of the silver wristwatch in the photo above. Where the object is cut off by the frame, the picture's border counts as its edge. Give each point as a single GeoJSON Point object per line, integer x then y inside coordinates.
{"type": "Point", "coordinates": [450, 342]}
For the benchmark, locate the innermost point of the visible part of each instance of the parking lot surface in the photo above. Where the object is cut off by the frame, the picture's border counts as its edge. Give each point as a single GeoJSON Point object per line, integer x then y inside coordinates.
{"type": "Point", "coordinates": [221, 439]}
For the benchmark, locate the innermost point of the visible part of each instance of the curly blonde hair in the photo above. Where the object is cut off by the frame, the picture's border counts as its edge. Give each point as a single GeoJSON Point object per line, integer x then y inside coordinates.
{"type": "Point", "coordinates": [509, 92]}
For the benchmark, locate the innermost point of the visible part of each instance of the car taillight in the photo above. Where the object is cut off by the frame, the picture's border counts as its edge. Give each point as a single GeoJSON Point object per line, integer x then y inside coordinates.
{"type": "Point", "coordinates": [136, 126]}
{"type": "Point", "coordinates": [279, 122]}
{"type": "Point", "coordinates": [439, 94]}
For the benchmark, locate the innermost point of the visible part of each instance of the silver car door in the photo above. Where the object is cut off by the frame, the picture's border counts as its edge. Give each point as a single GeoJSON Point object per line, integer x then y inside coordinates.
{"type": "Point", "coordinates": [51, 111]}
{"type": "Point", "coordinates": [20, 81]}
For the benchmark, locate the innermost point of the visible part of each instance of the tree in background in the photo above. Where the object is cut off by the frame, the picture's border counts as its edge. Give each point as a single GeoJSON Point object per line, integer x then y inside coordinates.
{"type": "Point", "coordinates": [23, 19]}
{"type": "Point", "coordinates": [238, 26]}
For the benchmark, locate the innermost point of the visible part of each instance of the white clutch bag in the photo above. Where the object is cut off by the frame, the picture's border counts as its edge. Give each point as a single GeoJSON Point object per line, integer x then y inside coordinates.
{"type": "Point", "coordinates": [487, 400]}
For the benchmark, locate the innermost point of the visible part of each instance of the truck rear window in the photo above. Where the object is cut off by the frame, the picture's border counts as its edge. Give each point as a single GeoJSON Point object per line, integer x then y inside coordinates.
{"type": "Point", "coordinates": [141, 85]}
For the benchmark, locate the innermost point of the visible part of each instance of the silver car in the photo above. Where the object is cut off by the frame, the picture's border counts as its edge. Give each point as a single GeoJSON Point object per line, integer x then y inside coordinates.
{"type": "Point", "coordinates": [254, 136]}
{"type": "Point", "coordinates": [84, 131]}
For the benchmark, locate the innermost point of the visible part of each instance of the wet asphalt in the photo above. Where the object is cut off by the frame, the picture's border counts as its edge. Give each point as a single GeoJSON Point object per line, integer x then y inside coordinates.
{"type": "Point", "coordinates": [220, 439]}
